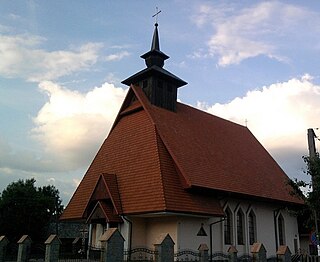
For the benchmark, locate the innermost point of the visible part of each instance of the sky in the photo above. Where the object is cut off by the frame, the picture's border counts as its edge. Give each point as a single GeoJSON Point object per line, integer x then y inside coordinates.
{"type": "Point", "coordinates": [255, 63]}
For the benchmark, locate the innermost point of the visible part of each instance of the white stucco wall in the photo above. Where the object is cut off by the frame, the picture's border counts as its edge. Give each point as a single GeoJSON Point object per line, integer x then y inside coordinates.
{"type": "Point", "coordinates": [139, 226]}
{"type": "Point", "coordinates": [265, 225]}
{"type": "Point", "coordinates": [183, 229]}
{"type": "Point", "coordinates": [291, 228]}
{"type": "Point", "coordinates": [188, 227]}
{"type": "Point", "coordinates": [158, 227]}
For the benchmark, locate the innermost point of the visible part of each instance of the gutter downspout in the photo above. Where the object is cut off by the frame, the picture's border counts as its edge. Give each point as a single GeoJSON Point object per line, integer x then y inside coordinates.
{"type": "Point", "coordinates": [129, 236]}
{"type": "Point", "coordinates": [210, 225]}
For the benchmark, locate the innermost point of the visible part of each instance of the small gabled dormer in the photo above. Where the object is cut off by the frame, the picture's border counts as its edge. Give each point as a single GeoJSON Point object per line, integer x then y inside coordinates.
{"type": "Point", "coordinates": [159, 85]}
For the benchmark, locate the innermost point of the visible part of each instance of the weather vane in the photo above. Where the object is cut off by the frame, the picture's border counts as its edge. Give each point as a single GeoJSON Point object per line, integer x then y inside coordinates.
{"type": "Point", "coordinates": [156, 14]}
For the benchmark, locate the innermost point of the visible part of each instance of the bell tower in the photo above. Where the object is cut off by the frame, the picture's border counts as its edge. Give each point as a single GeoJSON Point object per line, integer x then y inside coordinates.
{"type": "Point", "coordinates": [159, 85]}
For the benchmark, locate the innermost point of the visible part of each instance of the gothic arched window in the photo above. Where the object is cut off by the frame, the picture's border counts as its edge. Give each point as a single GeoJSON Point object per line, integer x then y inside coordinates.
{"type": "Point", "coordinates": [240, 227]}
{"type": "Point", "coordinates": [281, 230]}
{"type": "Point", "coordinates": [228, 227]}
{"type": "Point", "coordinates": [252, 227]}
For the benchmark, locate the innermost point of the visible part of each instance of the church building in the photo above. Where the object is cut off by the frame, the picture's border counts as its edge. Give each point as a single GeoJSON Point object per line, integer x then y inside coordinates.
{"type": "Point", "coordinates": [167, 167]}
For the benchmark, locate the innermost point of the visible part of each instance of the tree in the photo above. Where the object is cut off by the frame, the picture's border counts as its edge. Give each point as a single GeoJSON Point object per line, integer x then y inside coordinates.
{"type": "Point", "coordinates": [26, 209]}
{"type": "Point", "coordinates": [310, 215]}
{"type": "Point", "coordinates": [313, 169]}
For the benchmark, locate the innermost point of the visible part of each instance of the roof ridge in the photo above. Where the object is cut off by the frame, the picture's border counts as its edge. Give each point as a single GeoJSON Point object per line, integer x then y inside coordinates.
{"type": "Point", "coordinates": [187, 182]}
{"type": "Point", "coordinates": [147, 107]}
{"type": "Point", "coordinates": [133, 90]}
{"type": "Point", "coordinates": [112, 196]}
{"type": "Point", "coordinates": [149, 110]}
{"type": "Point", "coordinates": [161, 171]}
{"type": "Point", "coordinates": [91, 195]}
{"type": "Point", "coordinates": [103, 206]}
{"type": "Point", "coordinates": [143, 100]}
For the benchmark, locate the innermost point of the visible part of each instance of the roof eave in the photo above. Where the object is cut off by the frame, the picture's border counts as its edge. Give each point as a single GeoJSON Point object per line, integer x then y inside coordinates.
{"type": "Point", "coordinates": [168, 212]}
{"type": "Point", "coordinates": [153, 70]}
{"type": "Point", "coordinates": [209, 191]}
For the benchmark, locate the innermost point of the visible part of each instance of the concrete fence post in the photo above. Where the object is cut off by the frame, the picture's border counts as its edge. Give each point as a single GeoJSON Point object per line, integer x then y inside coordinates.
{"type": "Point", "coordinates": [24, 248]}
{"type": "Point", "coordinates": [3, 247]}
{"type": "Point", "coordinates": [203, 252]}
{"type": "Point", "coordinates": [112, 245]}
{"type": "Point", "coordinates": [259, 252]}
{"type": "Point", "coordinates": [233, 254]}
{"type": "Point", "coordinates": [52, 248]}
{"type": "Point", "coordinates": [164, 247]}
{"type": "Point", "coordinates": [284, 254]}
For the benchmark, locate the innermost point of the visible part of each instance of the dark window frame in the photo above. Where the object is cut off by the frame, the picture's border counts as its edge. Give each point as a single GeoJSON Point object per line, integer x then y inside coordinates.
{"type": "Point", "coordinates": [228, 228]}
{"type": "Point", "coordinates": [240, 227]}
{"type": "Point", "coordinates": [252, 227]}
{"type": "Point", "coordinates": [281, 229]}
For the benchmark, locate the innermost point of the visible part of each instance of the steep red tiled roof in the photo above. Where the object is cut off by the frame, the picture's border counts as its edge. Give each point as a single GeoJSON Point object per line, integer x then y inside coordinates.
{"type": "Point", "coordinates": [130, 152]}
{"type": "Point", "coordinates": [157, 157]}
{"type": "Point", "coordinates": [176, 197]}
{"type": "Point", "coordinates": [215, 153]}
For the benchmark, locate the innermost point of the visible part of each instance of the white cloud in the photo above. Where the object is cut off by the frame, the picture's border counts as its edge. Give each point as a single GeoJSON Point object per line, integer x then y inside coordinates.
{"type": "Point", "coordinates": [117, 56]}
{"type": "Point", "coordinates": [242, 33]}
{"type": "Point", "coordinates": [68, 130]}
{"type": "Point", "coordinates": [51, 180]}
{"type": "Point", "coordinates": [72, 125]}
{"type": "Point", "coordinates": [278, 115]}
{"type": "Point", "coordinates": [22, 57]}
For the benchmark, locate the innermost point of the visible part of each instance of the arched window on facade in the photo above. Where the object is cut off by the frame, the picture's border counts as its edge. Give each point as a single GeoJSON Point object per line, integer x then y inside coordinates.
{"type": "Point", "coordinates": [281, 230]}
{"type": "Point", "coordinates": [228, 227]}
{"type": "Point", "coordinates": [240, 227]}
{"type": "Point", "coordinates": [252, 228]}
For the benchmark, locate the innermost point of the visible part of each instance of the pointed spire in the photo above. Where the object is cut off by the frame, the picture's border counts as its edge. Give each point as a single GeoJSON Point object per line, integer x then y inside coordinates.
{"type": "Point", "coordinates": [155, 40]}
{"type": "Point", "coordinates": [158, 84]}
{"type": "Point", "coordinates": [155, 57]}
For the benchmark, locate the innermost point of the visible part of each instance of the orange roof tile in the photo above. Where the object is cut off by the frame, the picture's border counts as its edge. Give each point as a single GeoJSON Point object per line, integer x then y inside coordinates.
{"type": "Point", "coordinates": [218, 154]}
{"type": "Point", "coordinates": [157, 157]}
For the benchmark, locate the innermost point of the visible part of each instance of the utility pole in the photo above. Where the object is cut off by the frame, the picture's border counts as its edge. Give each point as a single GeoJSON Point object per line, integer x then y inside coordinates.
{"type": "Point", "coordinates": [312, 156]}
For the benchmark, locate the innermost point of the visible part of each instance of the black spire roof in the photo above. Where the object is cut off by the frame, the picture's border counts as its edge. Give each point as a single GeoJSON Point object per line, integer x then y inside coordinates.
{"type": "Point", "coordinates": [154, 60]}
{"type": "Point", "coordinates": [159, 85]}
{"type": "Point", "coordinates": [155, 56]}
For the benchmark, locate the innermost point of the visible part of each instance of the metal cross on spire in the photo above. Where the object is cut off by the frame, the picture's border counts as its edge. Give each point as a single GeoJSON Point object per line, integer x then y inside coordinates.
{"type": "Point", "coordinates": [156, 14]}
